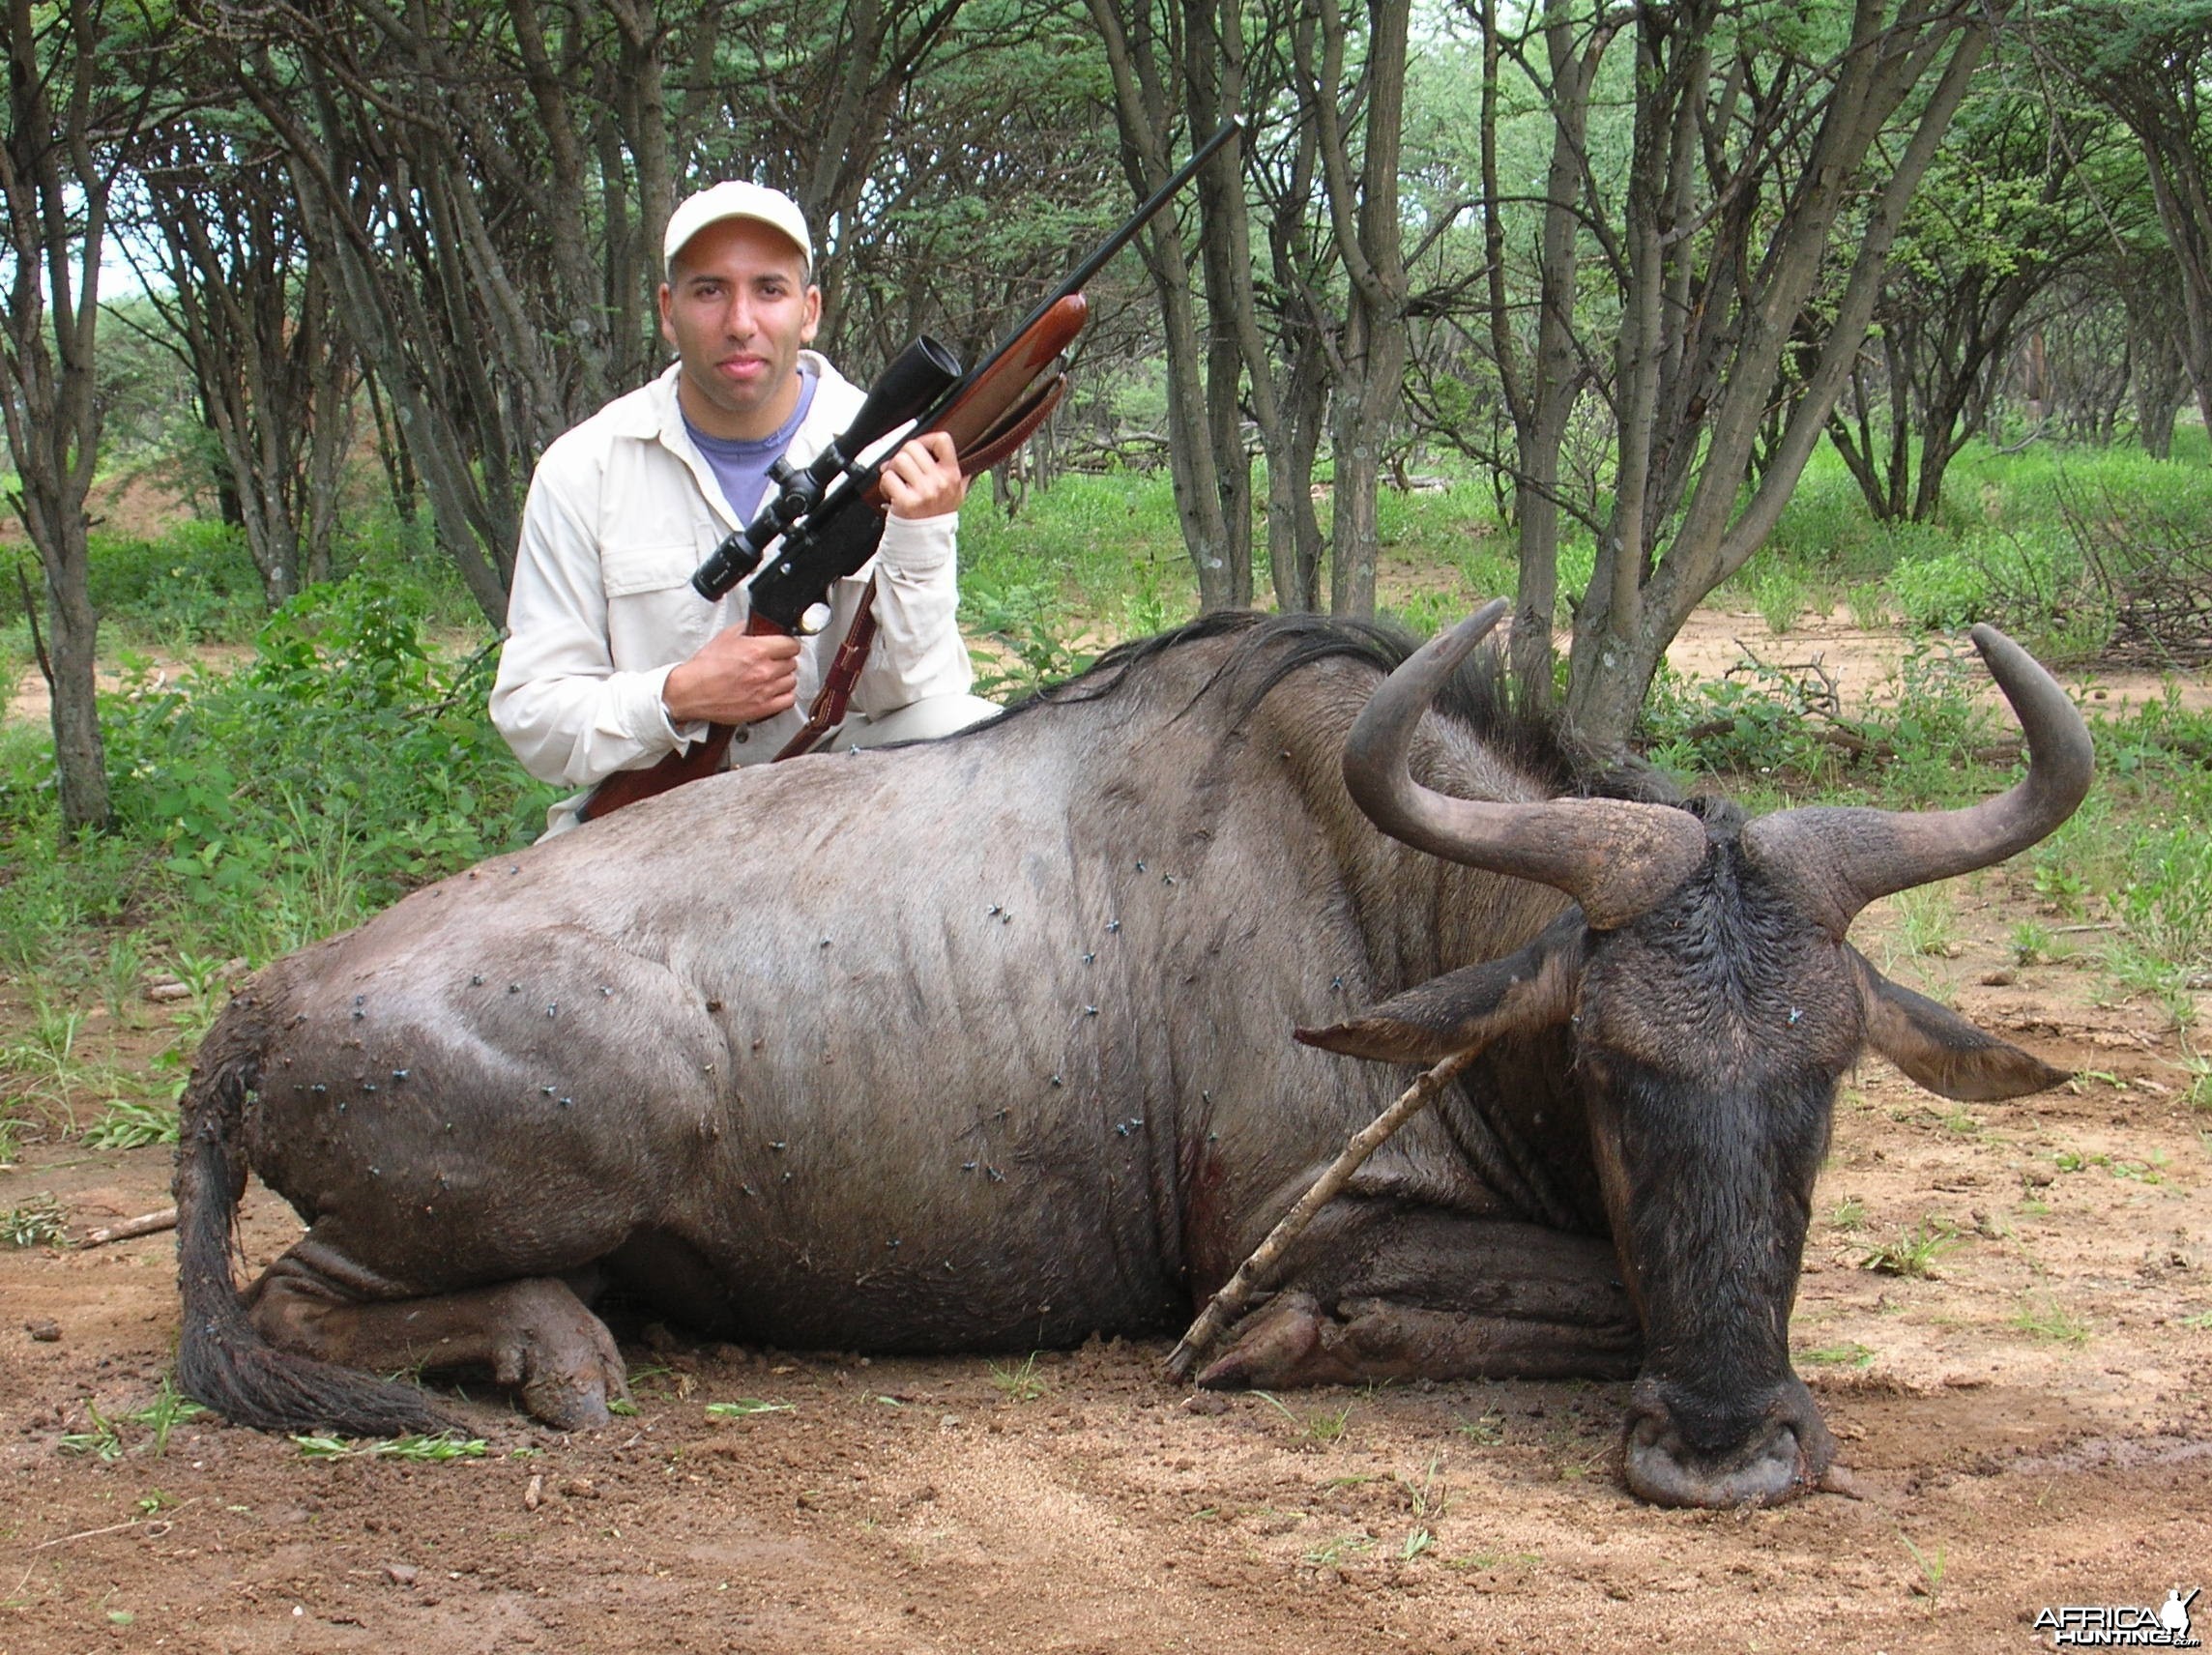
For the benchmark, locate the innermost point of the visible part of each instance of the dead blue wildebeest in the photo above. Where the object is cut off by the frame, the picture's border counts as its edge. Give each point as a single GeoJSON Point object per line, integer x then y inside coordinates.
{"type": "Point", "coordinates": [986, 1045]}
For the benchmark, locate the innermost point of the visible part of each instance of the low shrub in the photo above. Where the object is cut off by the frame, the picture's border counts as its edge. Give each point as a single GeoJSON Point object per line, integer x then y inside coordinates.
{"type": "Point", "coordinates": [195, 584]}
{"type": "Point", "coordinates": [311, 786]}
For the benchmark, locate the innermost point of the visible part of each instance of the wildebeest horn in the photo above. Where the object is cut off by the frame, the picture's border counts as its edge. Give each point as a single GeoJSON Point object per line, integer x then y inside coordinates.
{"type": "Point", "coordinates": [1838, 859]}
{"type": "Point", "coordinates": [1614, 857]}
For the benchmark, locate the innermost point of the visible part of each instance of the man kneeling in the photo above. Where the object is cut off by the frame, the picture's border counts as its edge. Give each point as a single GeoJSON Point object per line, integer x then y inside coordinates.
{"type": "Point", "coordinates": [612, 661]}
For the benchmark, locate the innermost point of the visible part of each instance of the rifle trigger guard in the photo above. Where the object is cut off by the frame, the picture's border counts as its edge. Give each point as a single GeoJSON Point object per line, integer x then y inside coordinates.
{"type": "Point", "coordinates": [811, 620]}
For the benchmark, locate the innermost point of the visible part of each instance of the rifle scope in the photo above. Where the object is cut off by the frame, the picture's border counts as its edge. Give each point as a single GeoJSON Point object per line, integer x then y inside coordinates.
{"type": "Point", "coordinates": [903, 392]}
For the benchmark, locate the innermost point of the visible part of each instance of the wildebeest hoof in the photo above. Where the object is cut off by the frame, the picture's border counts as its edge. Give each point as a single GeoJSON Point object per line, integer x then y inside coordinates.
{"type": "Point", "coordinates": [1274, 1345]}
{"type": "Point", "coordinates": [560, 1357]}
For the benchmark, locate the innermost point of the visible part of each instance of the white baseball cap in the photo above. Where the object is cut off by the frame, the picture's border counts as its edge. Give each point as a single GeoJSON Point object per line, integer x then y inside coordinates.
{"type": "Point", "coordinates": [736, 199]}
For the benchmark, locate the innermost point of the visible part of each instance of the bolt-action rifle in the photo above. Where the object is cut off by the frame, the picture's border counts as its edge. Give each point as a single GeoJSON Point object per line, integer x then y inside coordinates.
{"type": "Point", "coordinates": [824, 519]}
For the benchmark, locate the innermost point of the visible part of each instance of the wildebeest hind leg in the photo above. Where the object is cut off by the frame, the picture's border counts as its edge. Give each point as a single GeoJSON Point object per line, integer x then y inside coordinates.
{"type": "Point", "coordinates": [534, 1334]}
{"type": "Point", "coordinates": [1441, 1296]}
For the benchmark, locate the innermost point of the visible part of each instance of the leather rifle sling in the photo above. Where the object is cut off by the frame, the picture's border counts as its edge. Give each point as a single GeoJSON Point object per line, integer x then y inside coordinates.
{"type": "Point", "coordinates": [830, 701]}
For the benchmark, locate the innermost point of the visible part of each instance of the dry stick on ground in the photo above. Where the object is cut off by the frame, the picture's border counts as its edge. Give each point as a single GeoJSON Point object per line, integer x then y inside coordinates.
{"type": "Point", "coordinates": [1255, 1273]}
{"type": "Point", "coordinates": [145, 1224]}
{"type": "Point", "coordinates": [155, 1528]}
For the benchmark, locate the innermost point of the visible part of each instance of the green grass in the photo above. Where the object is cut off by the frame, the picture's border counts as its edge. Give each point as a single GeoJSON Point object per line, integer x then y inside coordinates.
{"type": "Point", "coordinates": [1427, 1497]}
{"type": "Point", "coordinates": [261, 806]}
{"type": "Point", "coordinates": [1849, 1354]}
{"type": "Point", "coordinates": [100, 1439]}
{"type": "Point", "coordinates": [170, 1408]}
{"type": "Point", "coordinates": [46, 1075]}
{"type": "Point", "coordinates": [2012, 543]}
{"type": "Point", "coordinates": [410, 1448]}
{"type": "Point", "coordinates": [2042, 1316]}
{"type": "Point", "coordinates": [1023, 1384]}
{"type": "Point", "coordinates": [1331, 1553]}
{"type": "Point", "coordinates": [1931, 1566]}
{"type": "Point", "coordinates": [1321, 1428]}
{"type": "Point", "coordinates": [1912, 1252]}
{"type": "Point", "coordinates": [130, 1125]}
{"type": "Point", "coordinates": [1487, 1430]}
{"type": "Point", "coordinates": [1089, 545]}
{"type": "Point", "coordinates": [746, 1408]}
{"type": "Point", "coordinates": [1927, 921]}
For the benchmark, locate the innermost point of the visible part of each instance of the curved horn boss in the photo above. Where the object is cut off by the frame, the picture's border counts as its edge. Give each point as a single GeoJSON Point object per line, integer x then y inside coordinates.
{"type": "Point", "coordinates": [1841, 857]}
{"type": "Point", "coordinates": [1613, 857]}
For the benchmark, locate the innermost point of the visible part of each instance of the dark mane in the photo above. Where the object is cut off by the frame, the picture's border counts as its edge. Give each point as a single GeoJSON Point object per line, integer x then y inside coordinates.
{"type": "Point", "coordinates": [1270, 649]}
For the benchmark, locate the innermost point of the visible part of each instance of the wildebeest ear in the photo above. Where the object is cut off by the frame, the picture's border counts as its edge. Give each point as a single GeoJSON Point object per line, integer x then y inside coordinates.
{"type": "Point", "coordinates": [1532, 988]}
{"type": "Point", "coordinates": [1943, 1051]}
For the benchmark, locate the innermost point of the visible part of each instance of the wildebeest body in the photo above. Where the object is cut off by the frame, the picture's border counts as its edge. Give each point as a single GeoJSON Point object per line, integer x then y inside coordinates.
{"type": "Point", "coordinates": [903, 1055]}
{"type": "Point", "coordinates": [984, 1044]}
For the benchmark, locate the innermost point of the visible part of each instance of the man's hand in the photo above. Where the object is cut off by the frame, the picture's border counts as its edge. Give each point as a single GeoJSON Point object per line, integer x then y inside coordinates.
{"type": "Point", "coordinates": [923, 480]}
{"type": "Point", "coordinates": [735, 679]}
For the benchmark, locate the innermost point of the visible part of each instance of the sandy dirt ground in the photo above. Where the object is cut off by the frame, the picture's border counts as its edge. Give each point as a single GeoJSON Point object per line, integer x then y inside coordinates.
{"type": "Point", "coordinates": [2029, 1423]}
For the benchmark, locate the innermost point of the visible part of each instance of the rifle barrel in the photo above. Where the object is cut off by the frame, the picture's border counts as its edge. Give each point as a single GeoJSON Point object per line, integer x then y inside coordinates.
{"type": "Point", "coordinates": [1092, 266]}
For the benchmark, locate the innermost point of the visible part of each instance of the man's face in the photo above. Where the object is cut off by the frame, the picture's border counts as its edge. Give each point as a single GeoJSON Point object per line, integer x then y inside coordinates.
{"type": "Point", "coordinates": [736, 310]}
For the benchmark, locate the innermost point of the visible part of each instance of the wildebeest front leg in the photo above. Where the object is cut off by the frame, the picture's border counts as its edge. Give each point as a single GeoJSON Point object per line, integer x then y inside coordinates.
{"type": "Point", "coordinates": [1394, 1295]}
{"type": "Point", "coordinates": [534, 1335]}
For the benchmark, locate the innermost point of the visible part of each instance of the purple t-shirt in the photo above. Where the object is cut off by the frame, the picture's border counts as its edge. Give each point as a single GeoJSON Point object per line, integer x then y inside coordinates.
{"type": "Point", "coordinates": [740, 464]}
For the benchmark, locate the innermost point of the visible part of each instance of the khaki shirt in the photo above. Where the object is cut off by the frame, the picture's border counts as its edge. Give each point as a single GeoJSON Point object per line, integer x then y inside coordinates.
{"type": "Point", "coordinates": [621, 510]}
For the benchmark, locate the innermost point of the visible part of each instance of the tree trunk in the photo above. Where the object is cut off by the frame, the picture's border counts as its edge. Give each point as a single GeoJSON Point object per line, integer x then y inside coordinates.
{"type": "Point", "coordinates": [1636, 602]}
{"type": "Point", "coordinates": [56, 193]}
{"type": "Point", "coordinates": [1147, 113]}
{"type": "Point", "coordinates": [1541, 397]}
{"type": "Point", "coordinates": [2158, 381]}
{"type": "Point", "coordinates": [1361, 190]}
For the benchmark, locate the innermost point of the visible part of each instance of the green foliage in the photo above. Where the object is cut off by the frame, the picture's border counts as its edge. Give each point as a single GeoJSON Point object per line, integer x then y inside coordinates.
{"type": "Point", "coordinates": [1022, 1384]}
{"type": "Point", "coordinates": [1756, 721]}
{"type": "Point", "coordinates": [1080, 541]}
{"type": "Point", "coordinates": [1323, 1428]}
{"type": "Point", "coordinates": [102, 1440]}
{"type": "Point", "coordinates": [195, 584]}
{"type": "Point", "coordinates": [1928, 721]}
{"type": "Point", "coordinates": [1926, 920]}
{"type": "Point", "coordinates": [343, 765]}
{"type": "Point", "coordinates": [2064, 549]}
{"type": "Point", "coordinates": [45, 1073]}
{"type": "Point", "coordinates": [2030, 581]}
{"type": "Point", "coordinates": [1849, 1354]}
{"type": "Point", "coordinates": [1024, 637]}
{"type": "Point", "coordinates": [170, 1408]}
{"type": "Point", "coordinates": [132, 1125]}
{"type": "Point", "coordinates": [1826, 528]}
{"type": "Point", "coordinates": [52, 901]}
{"type": "Point", "coordinates": [151, 413]}
{"type": "Point", "coordinates": [258, 806]}
{"type": "Point", "coordinates": [33, 1223]}
{"type": "Point", "coordinates": [2042, 1316]}
{"type": "Point", "coordinates": [2167, 906]}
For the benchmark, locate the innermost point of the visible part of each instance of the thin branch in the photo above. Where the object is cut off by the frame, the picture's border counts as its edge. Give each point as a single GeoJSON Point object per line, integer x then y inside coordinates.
{"type": "Point", "coordinates": [1257, 1272]}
